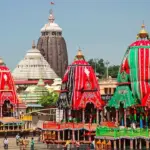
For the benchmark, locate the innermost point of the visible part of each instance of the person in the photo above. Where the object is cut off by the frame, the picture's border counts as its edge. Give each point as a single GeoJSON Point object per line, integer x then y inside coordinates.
{"type": "Point", "coordinates": [5, 143]}
{"type": "Point", "coordinates": [20, 113]}
{"type": "Point", "coordinates": [92, 145]}
{"type": "Point", "coordinates": [32, 144]}
{"type": "Point", "coordinates": [25, 143]}
{"type": "Point", "coordinates": [21, 142]}
{"type": "Point", "coordinates": [133, 126]}
{"type": "Point", "coordinates": [11, 112]}
{"type": "Point", "coordinates": [17, 139]}
{"type": "Point", "coordinates": [67, 145]}
{"type": "Point", "coordinates": [16, 114]}
{"type": "Point", "coordinates": [39, 138]}
{"type": "Point", "coordinates": [77, 145]}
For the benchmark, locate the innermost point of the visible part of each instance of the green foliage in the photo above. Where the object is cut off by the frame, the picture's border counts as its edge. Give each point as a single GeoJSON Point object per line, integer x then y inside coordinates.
{"type": "Point", "coordinates": [113, 71]}
{"type": "Point", "coordinates": [99, 66]}
{"type": "Point", "coordinates": [49, 99]}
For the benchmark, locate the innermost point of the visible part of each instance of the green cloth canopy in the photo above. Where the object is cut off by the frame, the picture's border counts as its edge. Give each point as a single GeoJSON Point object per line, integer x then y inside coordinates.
{"type": "Point", "coordinates": [123, 95]}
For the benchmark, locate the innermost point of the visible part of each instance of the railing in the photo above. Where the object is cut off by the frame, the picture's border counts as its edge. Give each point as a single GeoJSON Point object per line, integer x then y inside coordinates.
{"type": "Point", "coordinates": [49, 125]}
{"type": "Point", "coordinates": [55, 125]}
{"type": "Point", "coordinates": [116, 132]}
{"type": "Point", "coordinates": [109, 79]}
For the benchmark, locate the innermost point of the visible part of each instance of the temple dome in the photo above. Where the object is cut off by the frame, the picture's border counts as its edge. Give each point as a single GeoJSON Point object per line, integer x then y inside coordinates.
{"type": "Point", "coordinates": [33, 66]}
{"type": "Point", "coordinates": [51, 25]}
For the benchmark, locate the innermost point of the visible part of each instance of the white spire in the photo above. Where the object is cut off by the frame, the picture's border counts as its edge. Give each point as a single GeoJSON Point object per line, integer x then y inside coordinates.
{"type": "Point", "coordinates": [51, 17]}
{"type": "Point", "coordinates": [33, 44]}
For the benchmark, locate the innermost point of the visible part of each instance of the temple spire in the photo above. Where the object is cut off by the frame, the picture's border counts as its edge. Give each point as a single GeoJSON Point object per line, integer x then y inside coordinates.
{"type": "Point", "coordinates": [33, 44]}
{"type": "Point", "coordinates": [51, 16]}
{"type": "Point", "coordinates": [143, 33]}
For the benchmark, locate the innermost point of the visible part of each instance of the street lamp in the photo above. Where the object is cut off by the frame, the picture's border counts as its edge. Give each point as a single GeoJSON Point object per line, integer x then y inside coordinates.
{"type": "Point", "coordinates": [107, 63]}
{"type": "Point", "coordinates": [95, 60]}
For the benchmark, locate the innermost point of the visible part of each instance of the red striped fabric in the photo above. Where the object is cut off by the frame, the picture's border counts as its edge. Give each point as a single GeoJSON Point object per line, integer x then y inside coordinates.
{"type": "Point", "coordinates": [82, 85]}
{"type": "Point", "coordinates": [143, 70]}
{"type": "Point", "coordinates": [144, 57]}
{"type": "Point", "coordinates": [84, 76]}
{"type": "Point", "coordinates": [7, 86]}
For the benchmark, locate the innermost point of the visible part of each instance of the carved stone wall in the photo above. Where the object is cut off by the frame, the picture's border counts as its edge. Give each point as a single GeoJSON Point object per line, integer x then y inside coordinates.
{"type": "Point", "coordinates": [54, 51]}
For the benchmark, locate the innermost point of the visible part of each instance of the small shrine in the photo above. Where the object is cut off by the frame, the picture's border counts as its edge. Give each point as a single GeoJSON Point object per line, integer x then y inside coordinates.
{"type": "Point", "coordinates": [33, 94]}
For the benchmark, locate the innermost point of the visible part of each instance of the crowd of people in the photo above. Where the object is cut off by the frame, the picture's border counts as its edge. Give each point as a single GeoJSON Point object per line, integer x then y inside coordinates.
{"type": "Point", "coordinates": [22, 142]}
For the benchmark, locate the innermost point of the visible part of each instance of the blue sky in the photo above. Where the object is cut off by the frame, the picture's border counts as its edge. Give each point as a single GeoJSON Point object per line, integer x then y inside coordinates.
{"type": "Point", "coordinates": [101, 28]}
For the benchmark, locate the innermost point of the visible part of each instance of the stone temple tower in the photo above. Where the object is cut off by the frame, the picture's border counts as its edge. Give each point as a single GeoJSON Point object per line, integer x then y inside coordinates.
{"type": "Point", "coordinates": [53, 46]}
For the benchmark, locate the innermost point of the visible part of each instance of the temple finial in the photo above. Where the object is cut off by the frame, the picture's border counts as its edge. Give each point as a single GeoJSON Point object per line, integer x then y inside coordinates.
{"type": "Point", "coordinates": [33, 44]}
{"type": "Point", "coordinates": [79, 54]}
{"type": "Point", "coordinates": [51, 16]}
{"type": "Point", "coordinates": [143, 33]}
{"type": "Point", "coordinates": [1, 62]}
{"type": "Point", "coordinates": [143, 25]}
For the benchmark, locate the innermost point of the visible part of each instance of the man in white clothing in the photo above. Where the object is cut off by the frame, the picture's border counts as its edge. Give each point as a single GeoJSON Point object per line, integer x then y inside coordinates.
{"type": "Point", "coordinates": [6, 143]}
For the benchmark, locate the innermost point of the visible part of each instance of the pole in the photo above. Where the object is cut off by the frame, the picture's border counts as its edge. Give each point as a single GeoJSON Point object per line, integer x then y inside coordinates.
{"type": "Point", "coordinates": [107, 63]}
{"type": "Point", "coordinates": [64, 116]}
{"type": "Point", "coordinates": [102, 116]}
{"type": "Point", "coordinates": [83, 116]}
{"type": "Point", "coordinates": [1, 111]}
{"type": "Point", "coordinates": [97, 119]}
{"type": "Point", "coordinates": [59, 115]}
{"type": "Point", "coordinates": [95, 61]}
{"type": "Point", "coordinates": [117, 117]}
{"type": "Point", "coordinates": [125, 115]}
{"type": "Point", "coordinates": [95, 66]}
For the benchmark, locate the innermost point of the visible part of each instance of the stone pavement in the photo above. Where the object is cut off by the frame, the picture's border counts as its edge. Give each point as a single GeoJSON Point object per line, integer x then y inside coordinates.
{"type": "Point", "coordinates": [38, 145]}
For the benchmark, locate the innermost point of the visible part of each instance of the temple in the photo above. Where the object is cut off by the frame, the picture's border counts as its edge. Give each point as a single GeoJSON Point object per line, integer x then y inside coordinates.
{"type": "Point", "coordinates": [33, 94]}
{"type": "Point", "coordinates": [129, 106]}
{"type": "Point", "coordinates": [52, 46]}
{"type": "Point", "coordinates": [32, 68]}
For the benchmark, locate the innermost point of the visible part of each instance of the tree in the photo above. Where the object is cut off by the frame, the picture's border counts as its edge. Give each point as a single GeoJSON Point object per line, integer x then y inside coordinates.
{"type": "Point", "coordinates": [49, 99]}
{"type": "Point", "coordinates": [100, 67]}
{"type": "Point", "coordinates": [113, 71]}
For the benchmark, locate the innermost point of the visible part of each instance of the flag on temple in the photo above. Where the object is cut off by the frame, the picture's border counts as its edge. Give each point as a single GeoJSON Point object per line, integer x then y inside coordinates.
{"type": "Point", "coordinates": [52, 3]}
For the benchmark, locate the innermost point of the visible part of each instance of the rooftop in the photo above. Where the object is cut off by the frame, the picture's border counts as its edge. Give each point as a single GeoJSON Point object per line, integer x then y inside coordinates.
{"type": "Point", "coordinates": [33, 67]}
